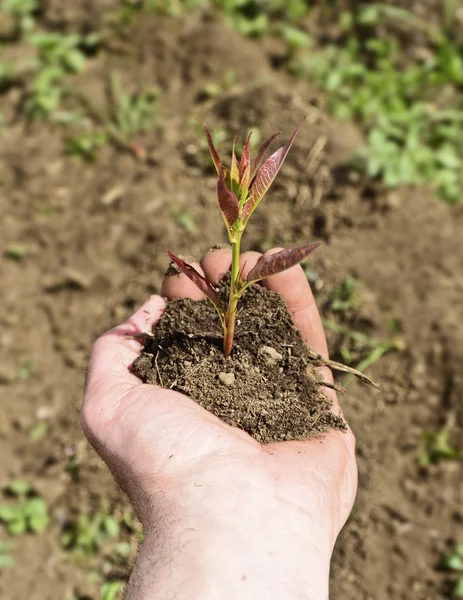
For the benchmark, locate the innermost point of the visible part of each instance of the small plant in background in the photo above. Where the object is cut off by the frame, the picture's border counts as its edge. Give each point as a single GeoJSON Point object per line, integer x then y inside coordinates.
{"type": "Point", "coordinates": [346, 297]}
{"type": "Point", "coordinates": [57, 56]}
{"type": "Point", "coordinates": [453, 561]}
{"type": "Point", "coordinates": [22, 11]}
{"type": "Point", "coordinates": [437, 447]}
{"type": "Point", "coordinates": [111, 590]}
{"type": "Point", "coordinates": [132, 114]}
{"type": "Point", "coordinates": [89, 532]}
{"type": "Point", "coordinates": [6, 560]}
{"type": "Point", "coordinates": [29, 513]}
{"type": "Point", "coordinates": [86, 145]}
{"type": "Point", "coordinates": [413, 136]}
{"type": "Point", "coordinates": [240, 189]}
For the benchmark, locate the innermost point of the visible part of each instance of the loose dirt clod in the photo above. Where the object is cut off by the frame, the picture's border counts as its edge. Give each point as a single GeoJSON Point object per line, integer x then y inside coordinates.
{"type": "Point", "coordinates": [268, 386]}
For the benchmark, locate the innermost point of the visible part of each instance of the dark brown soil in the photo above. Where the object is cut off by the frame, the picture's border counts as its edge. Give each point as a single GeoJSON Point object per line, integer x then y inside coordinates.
{"type": "Point", "coordinates": [95, 238]}
{"type": "Point", "coordinates": [268, 385]}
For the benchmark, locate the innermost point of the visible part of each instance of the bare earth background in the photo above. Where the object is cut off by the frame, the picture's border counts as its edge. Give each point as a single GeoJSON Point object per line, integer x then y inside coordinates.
{"type": "Point", "coordinates": [99, 250]}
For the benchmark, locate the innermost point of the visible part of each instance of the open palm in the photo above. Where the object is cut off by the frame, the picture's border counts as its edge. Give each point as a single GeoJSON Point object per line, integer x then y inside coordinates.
{"type": "Point", "coordinates": [155, 439]}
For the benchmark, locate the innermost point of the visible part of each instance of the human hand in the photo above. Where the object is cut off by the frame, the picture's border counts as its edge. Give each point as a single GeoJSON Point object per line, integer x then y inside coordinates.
{"type": "Point", "coordinates": [224, 516]}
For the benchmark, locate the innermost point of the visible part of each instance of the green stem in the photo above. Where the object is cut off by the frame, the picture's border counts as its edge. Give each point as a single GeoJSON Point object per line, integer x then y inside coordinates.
{"type": "Point", "coordinates": [230, 317]}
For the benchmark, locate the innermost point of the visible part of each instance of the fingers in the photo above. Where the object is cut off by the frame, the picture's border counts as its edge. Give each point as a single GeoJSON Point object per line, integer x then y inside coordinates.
{"type": "Point", "coordinates": [114, 352]}
{"type": "Point", "coordinates": [295, 289]}
{"type": "Point", "coordinates": [218, 261]}
{"type": "Point", "coordinates": [178, 285]}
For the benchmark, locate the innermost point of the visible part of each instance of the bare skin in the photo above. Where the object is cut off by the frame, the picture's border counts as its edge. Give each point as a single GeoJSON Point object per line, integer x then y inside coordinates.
{"type": "Point", "coordinates": [224, 516]}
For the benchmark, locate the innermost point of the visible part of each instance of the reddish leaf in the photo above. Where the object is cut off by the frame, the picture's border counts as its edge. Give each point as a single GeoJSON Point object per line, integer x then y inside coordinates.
{"type": "Point", "coordinates": [267, 173]}
{"type": "Point", "coordinates": [261, 153]}
{"type": "Point", "coordinates": [199, 280]}
{"type": "Point", "coordinates": [280, 261]}
{"type": "Point", "coordinates": [228, 201]}
{"type": "Point", "coordinates": [235, 170]}
{"type": "Point", "coordinates": [215, 157]}
{"type": "Point", "coordinates": [245, 162]}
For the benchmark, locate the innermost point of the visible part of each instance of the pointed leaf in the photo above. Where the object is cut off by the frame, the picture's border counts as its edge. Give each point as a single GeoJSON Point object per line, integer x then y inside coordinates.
{"type": "Point", "coordinates": [235, 170]}
{"type": "Point", "coordinates": [267, 173]}
{"type": "Point", "coordinates": [215, 157]}
{"type": "Point", "coordinates": [261, 153]}
{"type": "Point", "coordinates": [228, 201]}
{"type": "Point", "coordinates": [280, 261]}
{"type": "Point", "coordinates": [198, 279]}
{"type": "Point", "coordinates": [245, 162]}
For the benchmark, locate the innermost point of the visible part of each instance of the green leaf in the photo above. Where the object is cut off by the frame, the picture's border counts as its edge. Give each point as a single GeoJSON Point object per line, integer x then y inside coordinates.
{"type": "Point", "coordinates": [19, 487]}
{"type": "Point", "coordinates": [17, 527]}
{"type": "Point", "coordinates": [6, 561]}
{"type": "Point", "coordinates": [111, 526]}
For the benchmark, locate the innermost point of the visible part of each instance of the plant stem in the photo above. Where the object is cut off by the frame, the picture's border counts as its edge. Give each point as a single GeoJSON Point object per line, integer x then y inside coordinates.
{"type": "Point", "coordinates": [230, 317]}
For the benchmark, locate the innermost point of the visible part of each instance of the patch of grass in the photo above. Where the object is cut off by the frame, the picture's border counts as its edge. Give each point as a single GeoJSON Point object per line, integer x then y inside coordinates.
{"type": "Point", "coordinates": [412, 113]}
{"type": "Point", "coordinates": [25, 369]}
{"type": "Point", "coordinates": [88, 533]}
{"type": "Point", "coordinates": [360, 350]}
{"type": "Point", "coordinates": [6, 560]}
{"type": "Point", "coordinates": [86, 145]}
{"type": "Point", "coordinates": [346, 297]}
{"type": "Point", "coordinates": [57, 56]}
{"type": "Point", "coordinates": [453, 561]}
{"type": "Point", "coordinates": [187, 220]}
{"type": "Point", "coordinates": [132, 114]}
{"type": "Point", "coordinates": [22, 11]}
{"type": "Point", "coordinates": [437, 447]}
{"type": "Point", "coordinates": [111, 590]}
{"type": "Point", "coordinates": [15, 252]}
{"type": "Point", "coordinates": [28, 513]}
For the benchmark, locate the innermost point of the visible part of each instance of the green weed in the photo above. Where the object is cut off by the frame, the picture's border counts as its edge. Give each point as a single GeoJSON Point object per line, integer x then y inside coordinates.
{"type": "Point", "coordinates": [346, 297]}
{"type": "Point", "coordinates": [360, 350]}
{"type": "Point", "coordinates": [89, 532]}
{"type": "Point", "coordinates": [15, 252]}
{"type": "Point", "coordinates": [453, 561]}
{"type": "Point", "coordinates": [187, 220]}
{"type": "Point", "coordinates": [28, 514]}
{"type": "Point", "coordinates": [132, 114]}
{"type": "Point", "coordinates": [111, 590]}
{"type": "Point", "coordinates": [86, 145]}
{"type": "Point", "coordinates": [6, 560]}
{"type": "Point", "coordinates": [413, 134]}
{"type": "Point", "coordinates": [437, 447]}
{"type": "Point", "coordinates": [57, 56]}
{"type": "Point", "coordinates": [22, 11]}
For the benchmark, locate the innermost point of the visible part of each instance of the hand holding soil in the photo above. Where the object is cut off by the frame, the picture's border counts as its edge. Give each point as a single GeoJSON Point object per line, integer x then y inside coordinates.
{"type": "Point", "coordinates": [224, 516]}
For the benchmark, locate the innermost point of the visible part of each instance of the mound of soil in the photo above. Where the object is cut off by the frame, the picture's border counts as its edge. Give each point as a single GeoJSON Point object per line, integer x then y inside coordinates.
{"type": "Point", "coordinates": [268, 386]}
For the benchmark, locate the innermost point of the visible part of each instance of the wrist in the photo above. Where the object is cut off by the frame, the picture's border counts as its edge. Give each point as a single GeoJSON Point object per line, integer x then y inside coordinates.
{"type": "Point", "coordinates": [239, 538]}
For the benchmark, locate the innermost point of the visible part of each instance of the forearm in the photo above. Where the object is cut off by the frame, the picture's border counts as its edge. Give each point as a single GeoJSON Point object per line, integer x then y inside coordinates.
{"type": "Point", "coordinates": [260, 548]}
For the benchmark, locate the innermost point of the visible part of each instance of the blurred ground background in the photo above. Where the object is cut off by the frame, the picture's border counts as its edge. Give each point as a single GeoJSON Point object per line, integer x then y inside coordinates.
{"type": "Point", "coordinates": [103, 166]}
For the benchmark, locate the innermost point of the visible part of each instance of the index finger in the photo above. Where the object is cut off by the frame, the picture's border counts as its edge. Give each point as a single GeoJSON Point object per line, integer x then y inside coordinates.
{"type": "Point", "coordinates": [114, 352]}
{"type": "Point", "coordinates": [295, 289]}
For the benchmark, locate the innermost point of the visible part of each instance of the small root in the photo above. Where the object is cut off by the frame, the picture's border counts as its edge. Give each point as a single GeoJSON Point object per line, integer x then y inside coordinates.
{"type": "Point", "coordinates": [343, 368]}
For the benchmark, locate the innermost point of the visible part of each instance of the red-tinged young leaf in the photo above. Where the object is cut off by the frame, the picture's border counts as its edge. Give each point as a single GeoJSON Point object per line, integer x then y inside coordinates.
{"type": "Point", "coordinates": [215, 157]}
{"type": "Point", "coordinates": [199, 280]}
{"type": "Point", "coordinates": [280, 261]}
{"type": "Point", "coordinates": [267, 173]}
{"type": "Point", "coordinates": [245, 163]}
{"type": "Point", "coordinates": [235, 170]}
{"type": "Point", "coordinates": [261, 153]}
{"type": "Point", "coordinates": [228, 201]}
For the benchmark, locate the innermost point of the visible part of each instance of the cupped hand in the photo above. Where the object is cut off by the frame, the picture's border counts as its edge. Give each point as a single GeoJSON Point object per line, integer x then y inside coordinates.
{"type": "Point", "coordinates": [172, 457]}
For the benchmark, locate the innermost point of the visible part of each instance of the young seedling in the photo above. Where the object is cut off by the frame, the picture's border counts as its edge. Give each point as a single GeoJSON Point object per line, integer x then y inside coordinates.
{"type": "Point", "coordinates": [240, 189]}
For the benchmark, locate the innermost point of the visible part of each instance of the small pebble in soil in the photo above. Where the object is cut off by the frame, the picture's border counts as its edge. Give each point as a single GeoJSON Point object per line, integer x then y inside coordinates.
{"type": "Point", "coordinates": [271, 356]}
{"type": "Point", "coordinates": [227, 379]}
